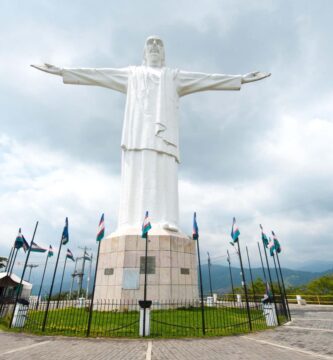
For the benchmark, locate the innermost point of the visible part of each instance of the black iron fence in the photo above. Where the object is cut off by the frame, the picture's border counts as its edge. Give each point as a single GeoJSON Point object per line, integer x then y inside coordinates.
{"type": "Point", "coordinates": [116, 318]}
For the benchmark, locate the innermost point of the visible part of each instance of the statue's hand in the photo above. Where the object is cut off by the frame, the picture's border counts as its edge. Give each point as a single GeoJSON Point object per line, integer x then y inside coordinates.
{"type": "Point", "coordinates": [48, 68]}
{"type": "Point", "coordinates": [254, 76]}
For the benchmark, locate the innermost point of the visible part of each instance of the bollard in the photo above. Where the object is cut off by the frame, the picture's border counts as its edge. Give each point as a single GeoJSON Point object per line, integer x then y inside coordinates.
{"type": "Point", "coordinates": [270, 314]}
{"type": "Point", "coordinates": [144, 328]}
{"type": "Point", "coordinates": [210, 300]}
{"type": "Point", "coordinates": [215, 298]}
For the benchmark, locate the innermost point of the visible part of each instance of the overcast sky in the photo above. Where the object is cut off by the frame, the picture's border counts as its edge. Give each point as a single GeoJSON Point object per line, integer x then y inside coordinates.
{"type": "Point", "coordinates": [263, 154]}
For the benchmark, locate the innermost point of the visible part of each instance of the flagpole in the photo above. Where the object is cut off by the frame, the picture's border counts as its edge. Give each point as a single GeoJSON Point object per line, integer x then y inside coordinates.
{"type": "Point", "coordinates": [262, 264]}
{"type": "Point", "coordinates": [22, 276]}
{"type": "Point", "coordinates": [271, 282]}
{"type": "Point", "coordinates": [244, 284]}
{"type": "Point", "coordinates": [281, 293]}
{"type": "Point", "coordinates": [232, 282]}
{"type": "Point", "coordinates": [145, 287]}
{"type": "Point", "coordinates": [9, 257]}
{"type": "Point", "coordinates": [72, 282]}
{"type": "Point", "coordinates": [52, 284]}
{"type": "Point", "coordinates": [210, 279]}
{"type": "Point", "coordinates": [13, 262]}
{"type": "Point", "coordinates": [248, 260]}
{"type": "Point", "coordinates": [41, 284]}
{"type": "Point", "coordinates": [89, 276]}
{"type": "Point", "coordinates": [93, 292]}
{"type": "Point", "coordinates": [201, 290]}
{"type": "Point", "coordinates": [62, 279]}
{"type": "Point", "coordinates": [284, 289]}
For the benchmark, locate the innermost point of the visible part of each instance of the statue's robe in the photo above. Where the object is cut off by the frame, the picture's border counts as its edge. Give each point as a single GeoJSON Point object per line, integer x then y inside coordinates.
{"type": "Point", "coordinates": [150, 136]}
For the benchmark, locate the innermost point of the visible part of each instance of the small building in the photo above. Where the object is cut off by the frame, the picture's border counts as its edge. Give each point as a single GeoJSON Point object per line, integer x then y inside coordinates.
{"type": "Point", "coordinates": [9, 285]}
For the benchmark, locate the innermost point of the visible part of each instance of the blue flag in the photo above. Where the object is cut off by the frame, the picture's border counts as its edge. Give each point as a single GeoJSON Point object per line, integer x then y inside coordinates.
{"type": "Point", "coordinates": [195, 232]}
{"type": "Point", "coordinates": [65, 237]}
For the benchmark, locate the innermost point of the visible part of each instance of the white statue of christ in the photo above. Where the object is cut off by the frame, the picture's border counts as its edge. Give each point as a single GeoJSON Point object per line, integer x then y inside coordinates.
{"type": "Point", "coordinates": [150, 146]}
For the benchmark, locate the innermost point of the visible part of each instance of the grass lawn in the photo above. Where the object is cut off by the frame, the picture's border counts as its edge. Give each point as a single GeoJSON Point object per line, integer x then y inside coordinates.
{"type": "Point", "coordinates": [164, 323]}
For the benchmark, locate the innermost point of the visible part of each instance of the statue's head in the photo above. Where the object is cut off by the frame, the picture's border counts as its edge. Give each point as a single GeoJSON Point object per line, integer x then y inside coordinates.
{"type": "Point", "coordinates": [153, 53]}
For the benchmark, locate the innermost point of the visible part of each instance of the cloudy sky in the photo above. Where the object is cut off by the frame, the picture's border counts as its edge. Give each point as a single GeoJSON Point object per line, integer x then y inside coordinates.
{"type": "Point", "coordinates": [262, 154]}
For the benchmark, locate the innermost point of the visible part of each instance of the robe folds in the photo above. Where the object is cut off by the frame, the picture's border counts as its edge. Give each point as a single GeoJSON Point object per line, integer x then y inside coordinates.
{"type": "Point", "coordinates": [150, 135]}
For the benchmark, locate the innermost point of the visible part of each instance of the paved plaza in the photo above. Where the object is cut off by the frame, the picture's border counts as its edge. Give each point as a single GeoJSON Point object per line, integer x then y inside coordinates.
{"type": "Point", "coordinates": [308, 336]}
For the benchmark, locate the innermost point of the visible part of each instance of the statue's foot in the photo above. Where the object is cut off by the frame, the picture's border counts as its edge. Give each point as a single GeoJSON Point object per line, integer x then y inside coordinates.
{"type": "Point", "coordinates": [170, 227]}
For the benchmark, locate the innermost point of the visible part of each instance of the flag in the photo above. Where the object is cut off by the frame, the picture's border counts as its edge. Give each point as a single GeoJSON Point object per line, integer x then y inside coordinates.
{"type": "Point", "coordinates": [145, 226]}
{"type": "Point", "coordinates": [264, 237]}
{"type": "Point", "coordinates": [234, 231]}
{"type": "Point", "coordinates": [276, 243]}
{"type": "Point", "coordinates": [65, 237]}
{"type": "Point", "coordinates": [19, 240]}
{"type": "Point", "coordinates": [271, 247]}
{"type": "Point", "coordinates": [195, 233]}
{"type": "Point", "coordinates": [101, 229]}
{"type": "Point", "coordinates": [36, 248]}
{"type": "Point", "coordinates": [86, 256]}
{"type": "Point", "coordinates": [69, 255]}
{"type": "Point", "coordinates": [50, 252]}
{"type": "Point", "coordinates": [25, 244]}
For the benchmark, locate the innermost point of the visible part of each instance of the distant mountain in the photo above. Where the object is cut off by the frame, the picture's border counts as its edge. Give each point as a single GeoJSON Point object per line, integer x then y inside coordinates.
{"type": "Point", "coordinates": [221, 278]}
{"type": "Point", "coordinates": [315, 266]}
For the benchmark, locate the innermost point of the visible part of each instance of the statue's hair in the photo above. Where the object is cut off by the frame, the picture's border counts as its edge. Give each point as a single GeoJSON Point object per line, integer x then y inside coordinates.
{"type": "Point", "coordinates": [144, 62]}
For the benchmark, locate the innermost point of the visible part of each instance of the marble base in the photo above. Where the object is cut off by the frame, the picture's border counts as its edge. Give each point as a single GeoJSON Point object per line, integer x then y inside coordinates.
{"type": "Point", "coordinates": [175, 273]}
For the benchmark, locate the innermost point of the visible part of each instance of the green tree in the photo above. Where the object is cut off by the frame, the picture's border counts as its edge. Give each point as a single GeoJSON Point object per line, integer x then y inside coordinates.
{"type": "Point", "coordinates": [321, 286]}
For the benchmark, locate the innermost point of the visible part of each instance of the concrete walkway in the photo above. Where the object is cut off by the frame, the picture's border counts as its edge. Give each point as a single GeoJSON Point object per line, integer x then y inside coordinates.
{"type": "Point", "coordinates": [308, 336]}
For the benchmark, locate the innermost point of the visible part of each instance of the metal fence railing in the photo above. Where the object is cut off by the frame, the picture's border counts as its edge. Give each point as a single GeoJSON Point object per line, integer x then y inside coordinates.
{"type": "Point", "coordinates": [311, 299]}
{"type": "Point", "coordinates": [117, 318]}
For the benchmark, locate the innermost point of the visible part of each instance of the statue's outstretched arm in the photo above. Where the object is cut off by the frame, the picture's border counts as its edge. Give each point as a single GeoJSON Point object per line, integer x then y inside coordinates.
{"type": "Point", "coordinates": [254, 76]}
{"type": "Point", "coordinates": [191, 82]}
{"type": "Point", "coordinates": [111, 78]}
{"type": "Point", "coordinates": [49, 69]}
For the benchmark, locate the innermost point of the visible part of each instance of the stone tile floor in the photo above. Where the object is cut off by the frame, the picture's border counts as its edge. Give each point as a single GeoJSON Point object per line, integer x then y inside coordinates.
{"type": "Point", "coordinates": [308, 336]}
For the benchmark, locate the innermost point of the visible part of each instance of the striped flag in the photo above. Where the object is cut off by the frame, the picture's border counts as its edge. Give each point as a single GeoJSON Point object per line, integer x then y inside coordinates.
{"type": "Point", "coordinates": [37, 248]}
{"type": "Point", "coordinates": [101, 229]}
{"type": "Point", "coordinates": [50, 252]}
{"type": "Point", "coordinates": [271, 247]}
{"type": "Point", "coordinates": [25, 244]}
{"type": "Point", "coordinates": [276, 243]}
{"type": "Point", "coordinates": [69, 255]}
{"type": "Point", "coordinates": [87, 256]}
{"type": "Point", "coordinates": [65, 236]}
{"type": "Point", "coordinates": [19, 240]}
{"type": "Point", "coordinates": [195, 231]}
{"type": "Point", "coordinates": [264, 237]}
{"type": "Point", "coordinates": [234, 231]}
{"type": "Point", "coordinates": [146, 226]}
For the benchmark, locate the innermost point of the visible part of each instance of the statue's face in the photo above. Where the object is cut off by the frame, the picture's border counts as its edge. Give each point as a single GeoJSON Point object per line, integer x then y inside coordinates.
{"type": "Point", "coordinates": [154, 51]}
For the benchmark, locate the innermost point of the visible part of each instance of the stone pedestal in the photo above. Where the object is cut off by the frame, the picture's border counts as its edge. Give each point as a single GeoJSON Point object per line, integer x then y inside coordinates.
{"type": "Point", "coordinates": [172, 268]}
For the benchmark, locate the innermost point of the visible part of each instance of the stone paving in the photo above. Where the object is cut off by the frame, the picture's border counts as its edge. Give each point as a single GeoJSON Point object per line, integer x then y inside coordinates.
{"type": "Point", "coordinates": [308, 336]}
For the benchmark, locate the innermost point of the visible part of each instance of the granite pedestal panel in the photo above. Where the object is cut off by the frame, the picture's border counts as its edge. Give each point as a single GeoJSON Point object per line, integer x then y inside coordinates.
{"type": "Point", "coordinates": [172, 268]}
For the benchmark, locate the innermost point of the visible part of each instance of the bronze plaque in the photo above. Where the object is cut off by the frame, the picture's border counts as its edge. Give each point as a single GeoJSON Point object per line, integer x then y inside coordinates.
{"type": "Point", "coordinates": [150, 264]}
